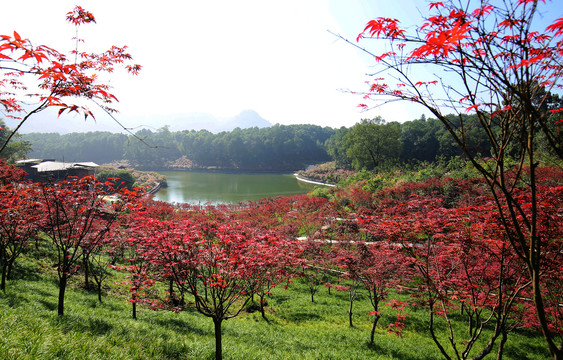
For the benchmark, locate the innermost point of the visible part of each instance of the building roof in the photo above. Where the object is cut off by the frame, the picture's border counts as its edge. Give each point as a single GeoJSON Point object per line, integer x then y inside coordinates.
{"type": "Point", "coordinates": [61, 166]}
{"type": "Point", "coordinates": [86, 164]}
{"type": "Point", "coordinates": [29, 161]}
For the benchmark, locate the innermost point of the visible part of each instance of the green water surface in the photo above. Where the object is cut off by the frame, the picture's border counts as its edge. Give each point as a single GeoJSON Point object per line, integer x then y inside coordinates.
{"type": "Point", "coordinates": [216, 187]}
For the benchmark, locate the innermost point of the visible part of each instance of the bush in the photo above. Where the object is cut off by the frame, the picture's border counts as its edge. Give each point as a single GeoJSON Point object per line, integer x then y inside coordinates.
{"type": "Point", "coordinates": [120, 178]}
{"type": "Point", "coordinates": [327, 173]}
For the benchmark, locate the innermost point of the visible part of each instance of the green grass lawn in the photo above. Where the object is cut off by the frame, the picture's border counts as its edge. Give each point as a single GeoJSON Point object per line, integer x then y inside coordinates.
{"type": "Point", "coordinates": [296, 327]}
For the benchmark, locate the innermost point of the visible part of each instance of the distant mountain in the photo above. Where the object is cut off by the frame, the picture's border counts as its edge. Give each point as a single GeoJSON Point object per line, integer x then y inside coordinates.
{"type": "Point", "coordinates": [46, 122]}
{"type": "Point", "coordinates": [244, 120]}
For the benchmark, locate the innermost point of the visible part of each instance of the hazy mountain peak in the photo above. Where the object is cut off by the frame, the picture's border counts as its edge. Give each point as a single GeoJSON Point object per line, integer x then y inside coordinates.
{"type": "Point", "coordinates": [246, 119]}
{"type": "Point", "coordinates": [45, 122]}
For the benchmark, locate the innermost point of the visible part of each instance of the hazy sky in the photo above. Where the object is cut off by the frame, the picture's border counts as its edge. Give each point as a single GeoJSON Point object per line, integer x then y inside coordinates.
{"type": "Point", "coordinates": [221, 57]}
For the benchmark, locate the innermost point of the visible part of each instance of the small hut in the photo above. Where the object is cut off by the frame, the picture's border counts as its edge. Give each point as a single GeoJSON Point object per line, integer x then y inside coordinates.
{"type": "Point", "coordinates": [50, 170]}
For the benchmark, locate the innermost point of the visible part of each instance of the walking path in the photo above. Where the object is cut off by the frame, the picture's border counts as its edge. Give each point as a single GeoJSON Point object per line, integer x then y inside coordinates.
{"type": "Point", "coordinates": [312, 181]}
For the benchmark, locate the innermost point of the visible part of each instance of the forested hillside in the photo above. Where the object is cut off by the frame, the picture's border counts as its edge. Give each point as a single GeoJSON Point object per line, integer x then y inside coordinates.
{"type": "Point", "coordinates": [369, 144]}
{"type": "Point", "coordinates": [99, 146]}
{"type": "Point", "coordinates": [278, 147]}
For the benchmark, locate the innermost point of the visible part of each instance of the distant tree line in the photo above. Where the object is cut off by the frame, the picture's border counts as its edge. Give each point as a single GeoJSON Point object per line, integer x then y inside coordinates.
{"type": "Point", "coordinates": [369, 144]}
{"type": "Point", "coordinates": [280, 147]}
{"type": "Point", "coordinates": [374, 143]}
{"type": "Point", "coordinates": [98, 146]}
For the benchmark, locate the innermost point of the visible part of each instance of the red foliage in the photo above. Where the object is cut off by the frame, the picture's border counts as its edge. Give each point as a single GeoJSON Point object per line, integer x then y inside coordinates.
{"type": "Point", "coordinates": [20, 220]}
{"type": "Point", "coordinates": [289, 216]}
{"type": "Point", "coordinates": [58, 79]}
{"type": "Point", "coordinates": [459, 38]}
{"type": "Point", "coordinates": [355, 197]}
{"type": "Point", "coordinates": [468, 261]}
{"type": "Point", "coordinates": [10, 173]}
{"type": "Point", "coordinates": [220, 264]}
{"type": "Point", "coordinates": [383, 27]}
{"type": "Point", "coordinates": [79, 213]}
{"type": "Point", "coordinates": [79, 16]}
{"type": "Point", "coordinates": [378, 267]}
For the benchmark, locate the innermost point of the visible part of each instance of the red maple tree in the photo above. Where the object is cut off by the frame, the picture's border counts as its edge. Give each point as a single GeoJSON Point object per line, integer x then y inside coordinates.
{"type": "Point", "coordinates": [54, 79]}
{"type": "Point", "coordinates": [78, 214]}
{"type": "Point", "coordinates": [20, 221]}
{"type": "Point", "coordinates": [220, 264]}
{"type": "Point", "coordinates": [468, 265]}
{"type": "Point", "coordinates": [502, 68]}
{"type": "Point", "coordinates": [378, 267]}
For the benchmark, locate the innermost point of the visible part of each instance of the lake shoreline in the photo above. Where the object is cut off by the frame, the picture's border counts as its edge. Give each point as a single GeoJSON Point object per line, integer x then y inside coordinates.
{"type": "Point", "coordinates": [312, 181]}
{"type": "Point", "coordinates": [228, 187]}
{"type": "Point", "coordinates": [229, 171]}
{"type": "Point", "coordinates": [191, 167]}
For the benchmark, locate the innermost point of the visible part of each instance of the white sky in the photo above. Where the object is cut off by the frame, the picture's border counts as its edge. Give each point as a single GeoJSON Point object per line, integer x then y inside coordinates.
{"type": "Point", "coordinates": [224, 56]}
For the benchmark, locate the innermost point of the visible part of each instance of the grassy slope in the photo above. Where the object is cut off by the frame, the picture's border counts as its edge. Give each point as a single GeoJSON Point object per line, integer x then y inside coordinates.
{"type": "Point", "coordinates": [297, 328]}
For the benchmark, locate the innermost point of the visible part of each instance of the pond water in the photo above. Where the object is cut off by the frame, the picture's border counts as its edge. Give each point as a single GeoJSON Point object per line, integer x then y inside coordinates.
{"type": "Point", "coordinates": [220, 187]}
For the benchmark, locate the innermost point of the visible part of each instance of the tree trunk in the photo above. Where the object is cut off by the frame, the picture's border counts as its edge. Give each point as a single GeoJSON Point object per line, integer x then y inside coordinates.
{"type": "Point", "coordinates": [100, 291]}
{"type": "Point", "coordinates": [372, 334]}
{"type": "Point", "coordinates": [4, 268]}
{"type": "Point", "coordinates": [352, 298]}
{"type": "Point", "coordinates": [134, 310]}
{"type": "Point", "coordinates": [218, 339]}
{"type": "Point", "coordinates": [555, 351]}
{"type": "Point", "coordinates": [10, 267]}
{"type": "Point", "coordinates": [501, 345]}
{"type": "Point", "coordinates": [173, 298]}
{"type": "Point", "coordinates": [86, 274]}
{"type": "Point", "coordinates": [376, 316]}
{"type": "Point", "coordinates": [350, 313]}
{"type": "Point", "coordinates": [4, 273]}
{"type": "Point", "coordinates": [262, 307]}
{"type": "Point", "coordinates": [62, 288]}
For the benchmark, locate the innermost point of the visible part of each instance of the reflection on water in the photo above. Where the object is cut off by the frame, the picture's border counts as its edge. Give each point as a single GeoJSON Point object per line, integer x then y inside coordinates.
{"type": "Point", "coordinates": [213, 187]}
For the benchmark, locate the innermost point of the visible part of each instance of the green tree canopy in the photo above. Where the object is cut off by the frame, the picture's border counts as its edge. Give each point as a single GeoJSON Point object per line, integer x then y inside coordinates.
{"type": "Point", "coordinates": [15, 149]}
{"type": "Point", "coordinates": [372, 143]}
